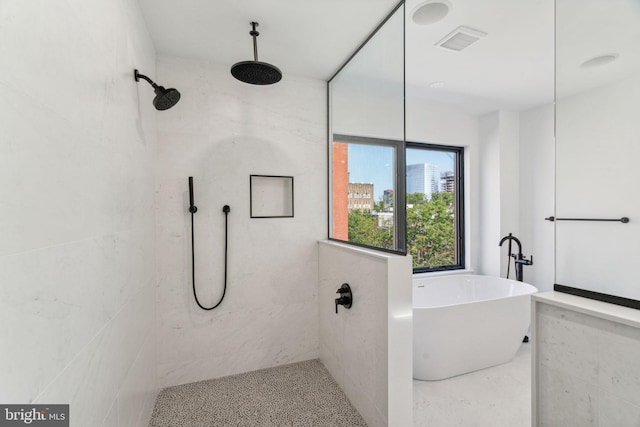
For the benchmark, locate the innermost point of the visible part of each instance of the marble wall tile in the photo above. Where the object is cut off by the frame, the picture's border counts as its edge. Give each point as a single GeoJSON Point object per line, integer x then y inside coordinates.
{"type": "Point", "coordinates": [77, 208]}
{"type": "Point", "coordinates": [566, 400]}
{"type": "Point", "coordinates": [59, 298]}
{"type": "Point", "coordinates": [111, 420]}
{"type": "Point", "coordinates": [617, 412]}
{"type": "Point", "coordinates": [78, 92]}
{"type": "Point", "coordinates": [357, 345]}
{"type": "Point", "coordinates": [220, 133]}
{"type": "Point", "coordinates": [586, 369]}
{"type": "Point", "coordinates": [193, 370]}
{"type": "Point", "coordinates": [102, 367]}
{"type": "Point", "coordinates": [365, 401]}
{"type": "Point", "coordinates": [619, 363]}
{"type": "Point", "coordinates": [37, 190]}
{"type": "Point", "coordinates": [570, 342]}
{"type": "Point", "coordinates": [240, 334]}
{"type": "Point", "coordinates": [135, 399]}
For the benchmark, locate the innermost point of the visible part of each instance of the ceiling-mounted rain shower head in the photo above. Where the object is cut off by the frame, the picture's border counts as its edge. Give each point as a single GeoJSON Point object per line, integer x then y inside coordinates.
{"type": "Point", "coordinates": [165, 98]}
{"type": "Point", "coordinates": [256, 72]}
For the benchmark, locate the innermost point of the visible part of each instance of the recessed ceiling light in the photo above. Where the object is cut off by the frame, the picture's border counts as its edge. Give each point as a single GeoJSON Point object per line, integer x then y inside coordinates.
{"type": "Point", "coordinates": [430, 12]}
{"type": "Point", "coordinates": [600, 60]}
{"type": "Point", "coordinates": [436, 85]}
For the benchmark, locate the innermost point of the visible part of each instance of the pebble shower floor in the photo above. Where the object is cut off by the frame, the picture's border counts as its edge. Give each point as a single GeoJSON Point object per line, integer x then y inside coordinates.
{"type": "Point", "coordinates": [297, 395]}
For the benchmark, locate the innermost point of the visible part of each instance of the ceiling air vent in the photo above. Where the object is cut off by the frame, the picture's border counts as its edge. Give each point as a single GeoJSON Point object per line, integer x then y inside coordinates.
{"type": "Point", "coordinates": [461, 38]}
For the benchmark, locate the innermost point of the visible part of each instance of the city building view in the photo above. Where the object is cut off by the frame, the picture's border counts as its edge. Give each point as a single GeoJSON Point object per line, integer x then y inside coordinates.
{"type": "Point", "coordinates": [423, 178]}
{"type": "Point", "coordinates": [363, 204]}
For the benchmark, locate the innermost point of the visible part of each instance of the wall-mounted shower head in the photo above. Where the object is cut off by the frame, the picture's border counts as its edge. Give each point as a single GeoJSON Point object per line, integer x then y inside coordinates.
{"type": "Point", "coordinates": [165, 98]}
{"type": "Point", "coordinates": [256, 72]}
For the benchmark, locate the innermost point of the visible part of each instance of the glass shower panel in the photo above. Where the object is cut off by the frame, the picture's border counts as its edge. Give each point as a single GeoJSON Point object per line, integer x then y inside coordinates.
{"type": "Point", "coordinates": [366, 111]}
{"type": "Point", "coordinates": [597, 148]}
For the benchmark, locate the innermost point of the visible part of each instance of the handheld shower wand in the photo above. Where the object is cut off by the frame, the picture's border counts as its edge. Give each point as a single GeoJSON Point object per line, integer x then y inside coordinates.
{"type": "Point", "coordinates": [193, 209]}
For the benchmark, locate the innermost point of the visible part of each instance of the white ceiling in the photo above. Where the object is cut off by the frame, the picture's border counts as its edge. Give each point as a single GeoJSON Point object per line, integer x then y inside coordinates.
{"type": "Point", "coordinates": [588, 29]}
{"type": "Point", "coordinates": [301, 37]}
{"type": "Point", "coordinates": [512, 68]}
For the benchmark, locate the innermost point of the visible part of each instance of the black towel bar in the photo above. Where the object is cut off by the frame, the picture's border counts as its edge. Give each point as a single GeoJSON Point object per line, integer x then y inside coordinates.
{"type": "Point", "coordinates": [623, 220]}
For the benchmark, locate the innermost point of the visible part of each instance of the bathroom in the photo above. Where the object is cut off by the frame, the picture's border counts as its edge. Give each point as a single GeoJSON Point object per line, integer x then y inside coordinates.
{"type": "Point", "coordinates": [95, 260]}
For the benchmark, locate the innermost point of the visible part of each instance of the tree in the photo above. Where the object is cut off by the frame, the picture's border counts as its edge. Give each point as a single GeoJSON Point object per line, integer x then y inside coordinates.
{"type": "Point", "coordinates": [363, 229]}
{"type": "Point", "coordinates": [379, 205]}
{"type": "Point", "coordinates": [431, 230]}
{"type": "Point", "coordinates": [416, 199]}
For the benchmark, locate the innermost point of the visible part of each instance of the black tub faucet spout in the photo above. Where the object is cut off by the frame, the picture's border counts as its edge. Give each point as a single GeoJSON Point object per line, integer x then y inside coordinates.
{"type": "Point", "coordinates": [518, 258]}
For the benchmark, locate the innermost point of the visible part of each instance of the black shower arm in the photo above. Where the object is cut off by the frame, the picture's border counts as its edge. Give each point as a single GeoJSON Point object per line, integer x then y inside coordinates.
{"type": "Point", "coordinates": [254, 34]}
{"type": "Point", "coordinates": [139, 76]}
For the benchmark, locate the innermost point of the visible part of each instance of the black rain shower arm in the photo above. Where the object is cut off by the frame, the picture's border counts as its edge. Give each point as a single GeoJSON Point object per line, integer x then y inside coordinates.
{"type": "Point", "coordinates": [142, 76]}
{"type": "Point", "coordinates": [255, 35]}
{"type": "Point", "coordinates": [165, 98]}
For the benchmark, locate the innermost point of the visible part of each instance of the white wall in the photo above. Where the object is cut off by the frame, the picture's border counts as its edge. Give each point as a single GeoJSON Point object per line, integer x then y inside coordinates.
{"type": "Point", "coordinates": [537, 181]}
{"type": "Point", "coordinates": [77, 210]}
{"type": "Point", "coordinates": [517, 191]}
{"type": "Point", "coordinates": [429, 122]}
{"type": "Point", "coordinates": [221, 132]}
{"type": "Point", "coordinates": [509, 185]}
{"type": "Point", "coordinates": [499, 182]}
{"type": "Point", "coordinates": [597, 177]}
{"type": "Point", "coordinates": [489, 135]}
{"type": "Point", "coordinates": [368, 348]}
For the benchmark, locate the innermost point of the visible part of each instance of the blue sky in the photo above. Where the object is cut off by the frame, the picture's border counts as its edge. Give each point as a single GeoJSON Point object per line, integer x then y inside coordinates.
{"type": "Point", "coordinates": [373, 163]}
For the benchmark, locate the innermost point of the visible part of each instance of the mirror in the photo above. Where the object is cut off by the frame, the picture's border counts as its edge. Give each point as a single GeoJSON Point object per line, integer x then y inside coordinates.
{"type": "Point", "coordinates": [597, 148]}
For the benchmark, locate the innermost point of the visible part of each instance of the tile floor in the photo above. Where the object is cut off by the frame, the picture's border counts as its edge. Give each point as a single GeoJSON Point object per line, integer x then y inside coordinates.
{"type": "Point", "coordinates": [494, 397]}
{"type": "Point", "coordinates": [297, 395]}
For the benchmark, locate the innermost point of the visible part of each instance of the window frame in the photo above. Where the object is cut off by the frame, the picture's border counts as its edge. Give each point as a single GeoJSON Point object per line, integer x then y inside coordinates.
{"type": "Point", "coordinates": [459, 205]}
{"type": "Point", "coordinates": [400, 214]}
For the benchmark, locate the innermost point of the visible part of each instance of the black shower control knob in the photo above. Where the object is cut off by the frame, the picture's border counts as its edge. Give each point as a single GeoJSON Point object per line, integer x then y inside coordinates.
{"type": "Point", "coordinates": [346, 298]}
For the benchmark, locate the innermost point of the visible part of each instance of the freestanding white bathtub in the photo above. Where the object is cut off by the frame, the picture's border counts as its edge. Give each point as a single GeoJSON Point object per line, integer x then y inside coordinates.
{"type": "Point", "coordinates": [462, 323]}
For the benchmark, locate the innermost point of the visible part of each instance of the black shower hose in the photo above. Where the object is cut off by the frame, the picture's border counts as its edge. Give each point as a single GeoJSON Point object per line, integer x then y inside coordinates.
{"type": "Point", "coordinates": [226, 210]}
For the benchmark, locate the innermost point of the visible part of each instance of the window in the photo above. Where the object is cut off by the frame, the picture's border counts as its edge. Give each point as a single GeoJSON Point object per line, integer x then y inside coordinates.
{"type": "Point", "coordinates": [419, 211]}
{"type": "Point", "coordinates": [435, 214]}
{"type": "Point", "coordinates": [366, 168]}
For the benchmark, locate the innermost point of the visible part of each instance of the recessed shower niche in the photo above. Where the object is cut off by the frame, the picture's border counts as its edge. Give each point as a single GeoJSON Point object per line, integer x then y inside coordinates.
{"type": "Point", "coordinates": [271, 196]}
